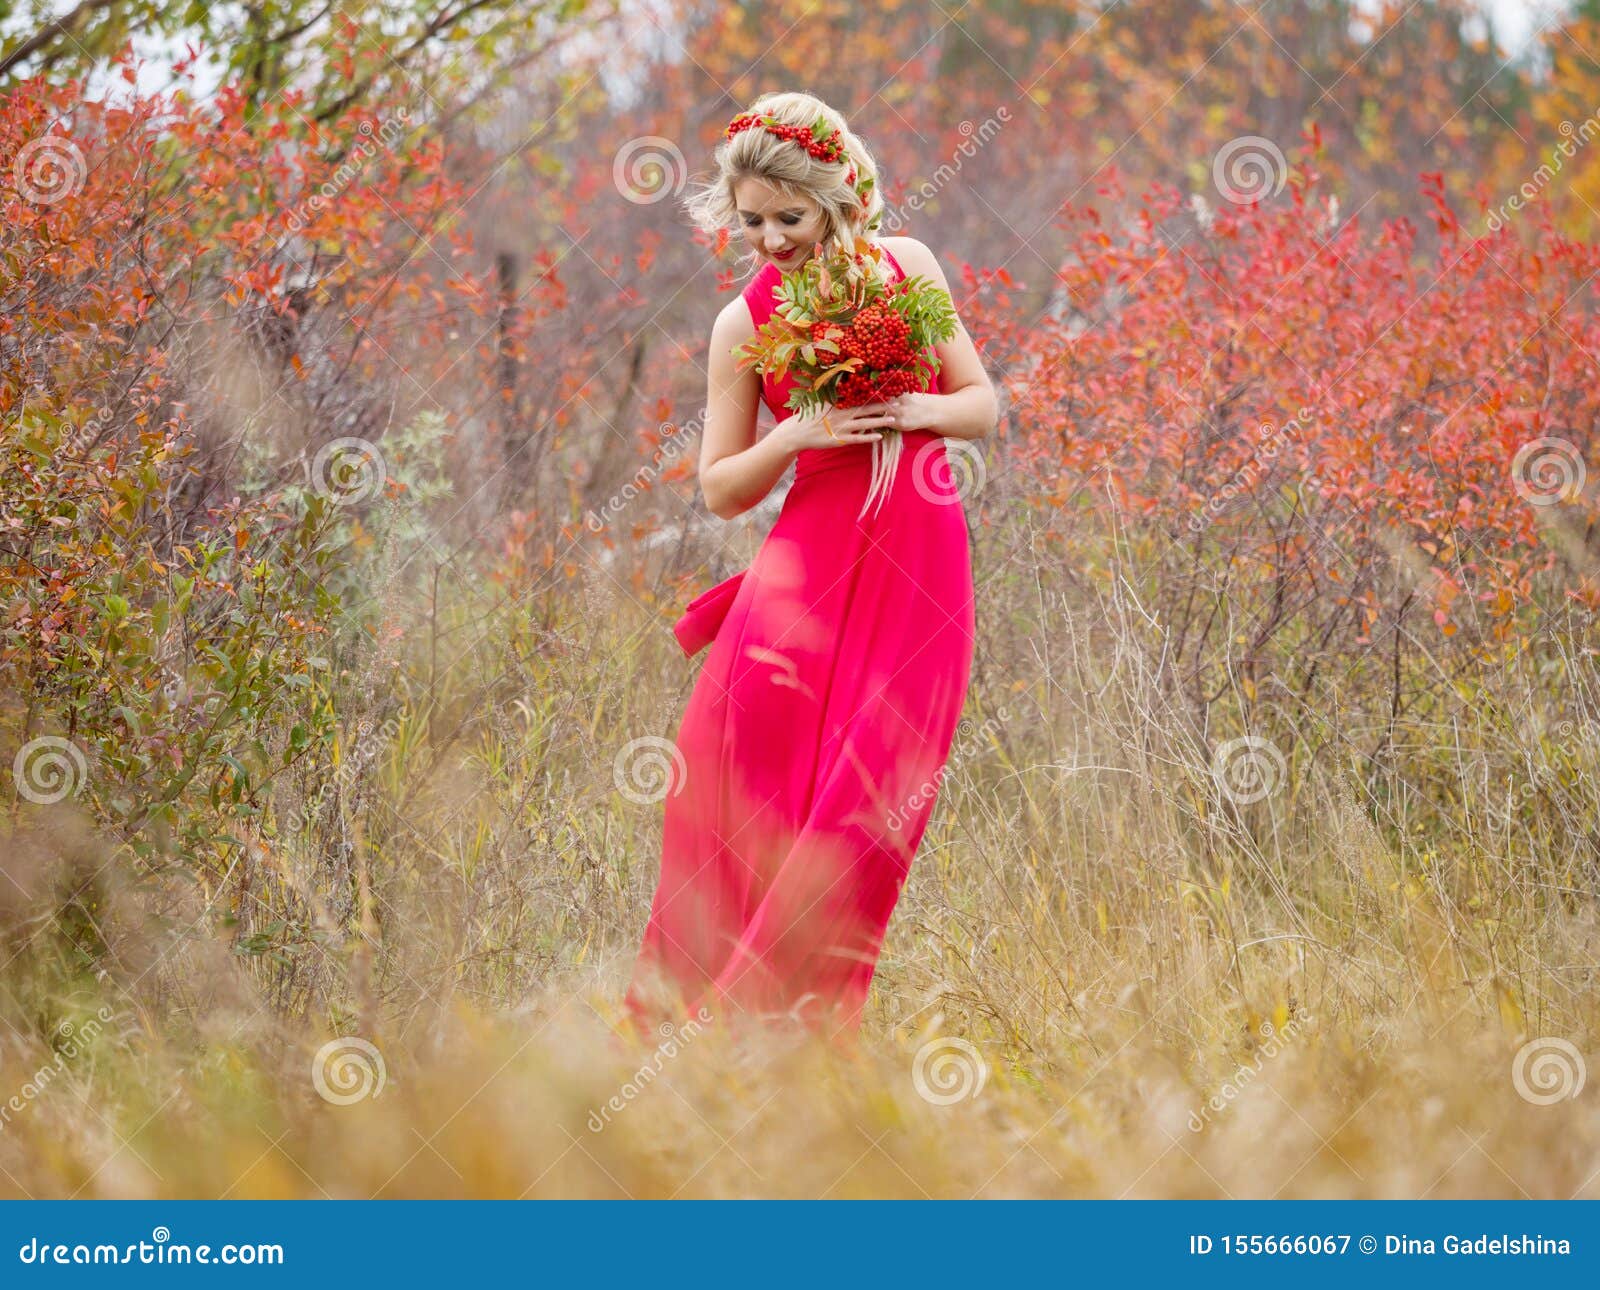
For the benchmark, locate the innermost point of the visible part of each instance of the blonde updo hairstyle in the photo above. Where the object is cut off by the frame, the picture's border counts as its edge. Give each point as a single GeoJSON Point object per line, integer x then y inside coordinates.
{"type": "Point", "coordinates": [758, 154]}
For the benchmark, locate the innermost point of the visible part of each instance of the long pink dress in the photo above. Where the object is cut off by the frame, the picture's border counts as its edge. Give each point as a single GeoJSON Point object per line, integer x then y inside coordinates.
{"type": "Point", "coordinates": [810, 749]}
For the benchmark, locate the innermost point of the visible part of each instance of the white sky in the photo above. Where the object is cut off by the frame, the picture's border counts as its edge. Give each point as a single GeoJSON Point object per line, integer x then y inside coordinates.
{"type": "Point", "coordinates": [1516, 20]}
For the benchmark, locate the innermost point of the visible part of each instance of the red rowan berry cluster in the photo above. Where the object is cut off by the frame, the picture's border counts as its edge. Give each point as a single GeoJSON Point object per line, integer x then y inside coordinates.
{"type": "Point", "coordinates": [856, 388]}
{"type": "Point", "coordinates": [881, 339]}
{"type": "Point", "coordinates": [878, 336]}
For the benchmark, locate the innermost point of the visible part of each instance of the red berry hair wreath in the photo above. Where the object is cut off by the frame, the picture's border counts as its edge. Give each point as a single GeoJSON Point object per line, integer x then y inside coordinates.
{"type": "Point", "coordinates": [818, 139]}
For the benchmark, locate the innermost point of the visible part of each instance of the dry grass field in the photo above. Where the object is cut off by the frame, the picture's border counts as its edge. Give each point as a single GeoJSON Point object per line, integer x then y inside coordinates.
{"type": "Point", "coordinates": [1117, 970]}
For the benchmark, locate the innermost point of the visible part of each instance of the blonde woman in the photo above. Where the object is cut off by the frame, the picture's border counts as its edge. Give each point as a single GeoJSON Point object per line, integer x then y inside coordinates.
{"type": "Point", "coordinates": [815, 737]}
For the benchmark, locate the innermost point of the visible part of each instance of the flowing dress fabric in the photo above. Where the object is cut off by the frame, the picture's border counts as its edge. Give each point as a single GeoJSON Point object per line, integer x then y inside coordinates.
{"type": "Point", "coordinates": [811, 749]}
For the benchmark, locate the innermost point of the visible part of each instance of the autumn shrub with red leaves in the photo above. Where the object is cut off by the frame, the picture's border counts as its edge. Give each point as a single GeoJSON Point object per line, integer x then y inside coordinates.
{"type": "Point", "coordinates": [1329, 448]}
{"type": "Point", "coordinates": [170, 640]}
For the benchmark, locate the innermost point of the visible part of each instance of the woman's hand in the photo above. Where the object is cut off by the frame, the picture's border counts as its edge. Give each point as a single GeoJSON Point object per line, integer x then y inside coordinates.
{"type": "Point", "coordinates": [915, 410]}
{"type": "Point", "coordinates": [835, 427]}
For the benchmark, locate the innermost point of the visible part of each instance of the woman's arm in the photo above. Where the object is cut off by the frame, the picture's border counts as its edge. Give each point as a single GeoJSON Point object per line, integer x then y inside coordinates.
{"type": "Point", "coordinates": [967, 409]}
{"type": "Point", "coordinates": [736, 470]}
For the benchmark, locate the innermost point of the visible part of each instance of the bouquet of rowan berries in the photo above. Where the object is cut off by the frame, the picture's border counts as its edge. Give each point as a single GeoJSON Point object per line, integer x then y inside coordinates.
{"type": "Point", "coordinates": [848, 336]}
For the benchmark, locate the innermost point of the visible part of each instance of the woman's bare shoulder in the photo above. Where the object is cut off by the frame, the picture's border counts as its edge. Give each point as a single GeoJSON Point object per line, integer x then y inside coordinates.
{"type": "Point", "coordinates": [734, 325]}
{"type": "Point", "coordinates": [915, 258]}
{"type": "Point", "coordinates": [908, 248]}
{"type": "Point", "coordinates": [734, 320]}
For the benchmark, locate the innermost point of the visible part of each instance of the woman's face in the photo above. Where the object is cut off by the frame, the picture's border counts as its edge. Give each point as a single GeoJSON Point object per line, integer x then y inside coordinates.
{"type": "Point", "coordinates": [780, 229]}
